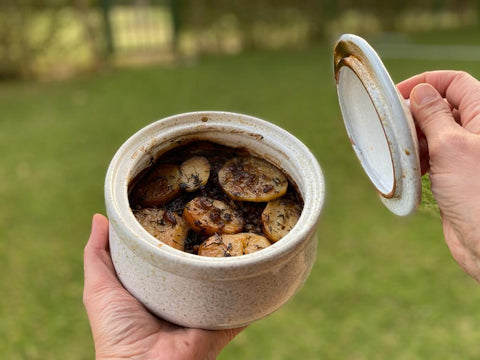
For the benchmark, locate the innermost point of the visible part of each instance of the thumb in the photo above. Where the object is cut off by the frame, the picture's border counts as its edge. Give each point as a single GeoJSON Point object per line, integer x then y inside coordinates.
{"type": "Point", "coordinates": [431, 112]}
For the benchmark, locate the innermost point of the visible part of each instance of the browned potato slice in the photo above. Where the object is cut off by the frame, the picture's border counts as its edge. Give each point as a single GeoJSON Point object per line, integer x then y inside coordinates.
{"type": "Point", "coordinates": [226, 245]}
{"type": "Point", "coordinates": [279, 217]}
{"type": "Point", "coordinates": [194, 173]}
{"type": "Point", "coordinates": [252, 179]}
{"type": "Point", "coordinates": [221, 246]}
{"type": "Point", "coordinates": [254, 242]}
{"type": "Point", "coordinates": [166, 226]}
{"type": "Point", "coordinates": [210, 216]}
{"type": "Point", "coordinates": [159, 186]}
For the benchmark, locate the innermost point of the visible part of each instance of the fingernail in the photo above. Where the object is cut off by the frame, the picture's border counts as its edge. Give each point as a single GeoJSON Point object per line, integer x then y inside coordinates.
{"type": "Point", "coordinates": [423, 94]}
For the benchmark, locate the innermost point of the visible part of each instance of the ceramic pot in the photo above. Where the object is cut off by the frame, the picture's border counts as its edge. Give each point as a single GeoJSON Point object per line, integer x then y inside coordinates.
{"type": "Point", "coordinates": [207, 292]}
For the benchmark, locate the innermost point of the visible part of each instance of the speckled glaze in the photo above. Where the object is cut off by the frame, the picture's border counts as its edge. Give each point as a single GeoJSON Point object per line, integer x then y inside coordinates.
{"type": "Point", "coordinates": [204, 292]}
{"type": "Point", "coordinates": [379, 124]}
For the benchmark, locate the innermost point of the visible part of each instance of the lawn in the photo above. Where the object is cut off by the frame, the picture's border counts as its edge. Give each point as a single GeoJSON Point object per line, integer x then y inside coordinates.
{"type": "Point", "coordinates": [383, 287]}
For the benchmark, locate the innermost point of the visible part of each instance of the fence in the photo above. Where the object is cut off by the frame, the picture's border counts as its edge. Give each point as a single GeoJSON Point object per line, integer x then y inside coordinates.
{"type": "Point", "coordinates": [140, 26]}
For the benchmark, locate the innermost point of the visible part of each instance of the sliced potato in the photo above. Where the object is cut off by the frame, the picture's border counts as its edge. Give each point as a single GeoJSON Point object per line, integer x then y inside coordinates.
{"type": "Point", "coordinates": [252, 179]}
{"type": "Point", "coordinates": [166, 226]}
{"type": "Point", "coordinates": [194, 173]}
{"type": "Point", "coordinates": [209, 216]}
{"type": "Point", "coordinates": [226, 245]}
{"type": "Point", "coordinates": [254, 242]}
{"type": "Point", "coordinates": [221, 246]}
{"type": "Point", "coordinates": [159, 186]}
{"type": "Point", "coordinates": [279, 217]}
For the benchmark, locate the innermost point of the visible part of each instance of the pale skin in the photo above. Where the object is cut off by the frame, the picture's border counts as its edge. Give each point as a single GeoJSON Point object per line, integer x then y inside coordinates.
{"type": "Point", "coordinates": [446, 108]}
{"type": "Point", "coordinates": [122, 327]}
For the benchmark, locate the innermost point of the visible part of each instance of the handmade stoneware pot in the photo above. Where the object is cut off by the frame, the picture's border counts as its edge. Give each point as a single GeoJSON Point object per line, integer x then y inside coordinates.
{"type": "Point", "coordinates": [206, 292]}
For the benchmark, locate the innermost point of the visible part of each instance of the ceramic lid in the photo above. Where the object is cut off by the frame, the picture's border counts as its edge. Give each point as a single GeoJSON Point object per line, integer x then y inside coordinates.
{"type": "Point", "coordinates": [379, 124]}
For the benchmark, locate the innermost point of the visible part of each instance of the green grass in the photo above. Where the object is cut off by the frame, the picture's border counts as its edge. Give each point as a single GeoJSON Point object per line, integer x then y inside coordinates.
{"type": "Point", "coordinates": [383, 287]}
{"type": "Point", "coordinates": [460, 36]}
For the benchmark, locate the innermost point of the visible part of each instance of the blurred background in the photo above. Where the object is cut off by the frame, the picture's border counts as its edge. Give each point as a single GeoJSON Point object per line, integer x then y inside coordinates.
{"type": "Point", "coordinates": [77, 78]}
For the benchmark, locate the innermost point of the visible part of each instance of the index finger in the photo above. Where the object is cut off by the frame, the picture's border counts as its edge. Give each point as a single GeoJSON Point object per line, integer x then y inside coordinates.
{"type": "Point", "coordinates": [441, 80]}
{"type": "Point", "coordinates": [459, 88]}
{"type": "Point", "coordinates": [406, 86]}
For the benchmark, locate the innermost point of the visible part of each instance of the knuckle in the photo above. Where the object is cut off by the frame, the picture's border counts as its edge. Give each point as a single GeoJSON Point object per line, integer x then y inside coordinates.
{"type": "Point", "coordinates": [462, 76]}
{"type": "Point", "coordinates": [471, 107]}
{"type": "Point", "coordinates": [449, 140]}
{"type": "Point", "coordinates": [435, 109]}
{"type": "Point", "coordinates": [463, 79]}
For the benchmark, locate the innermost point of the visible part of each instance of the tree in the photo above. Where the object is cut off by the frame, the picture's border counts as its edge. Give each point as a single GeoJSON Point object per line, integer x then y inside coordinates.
{"type": "Point", "coordinates": [21, 41]}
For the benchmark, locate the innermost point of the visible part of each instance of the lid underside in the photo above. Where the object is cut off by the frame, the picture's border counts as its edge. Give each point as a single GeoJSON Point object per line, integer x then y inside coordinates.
{"type": "Point", "coordinates": [379, 124]}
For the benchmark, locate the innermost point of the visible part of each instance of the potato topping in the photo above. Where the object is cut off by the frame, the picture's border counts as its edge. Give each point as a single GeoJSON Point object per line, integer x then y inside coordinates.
{"type": "Point", "coordinates": [166, 226]}
{"type": "Point", "coordinates": [210, 216]}
{"type": "Point", "coordinates": [221, 246]}
{"type": "Point", "coordinates": [159, 186]}
{"type": "Point", "coordinates": [279, 217]}
{"type": "Point", "coordinates": [194, 173]}
{"type": "Point", "coordinates": [253, 242]}
{"type": "Point", "coordinates": [214, 200]}
{"type": "Point", "coordinates": [227, 245]}
{"type": "Point", "coordinates": [252, 179]}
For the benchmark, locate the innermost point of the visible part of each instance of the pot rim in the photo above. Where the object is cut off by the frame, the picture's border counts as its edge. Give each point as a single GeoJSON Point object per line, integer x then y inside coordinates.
{"type": "Point", "coordinates": [250, 129]}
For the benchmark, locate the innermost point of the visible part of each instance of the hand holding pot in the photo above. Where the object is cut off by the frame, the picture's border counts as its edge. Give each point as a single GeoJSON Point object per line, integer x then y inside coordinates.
{"type": "Point", "coordinates": [446, 108]}
{"type": "Point", "coordinates": [122, 327]}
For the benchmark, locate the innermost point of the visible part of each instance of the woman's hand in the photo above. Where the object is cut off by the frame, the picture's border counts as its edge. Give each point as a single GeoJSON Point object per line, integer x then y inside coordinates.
{"type": "Point", "coordinates": [122, 327]}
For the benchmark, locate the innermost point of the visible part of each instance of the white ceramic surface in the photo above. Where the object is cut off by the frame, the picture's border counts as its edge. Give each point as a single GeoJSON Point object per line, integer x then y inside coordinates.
{"type": "Point", "coordinates": [203, 292]}
{"type": "Point", "coordinates": [379, 124]}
